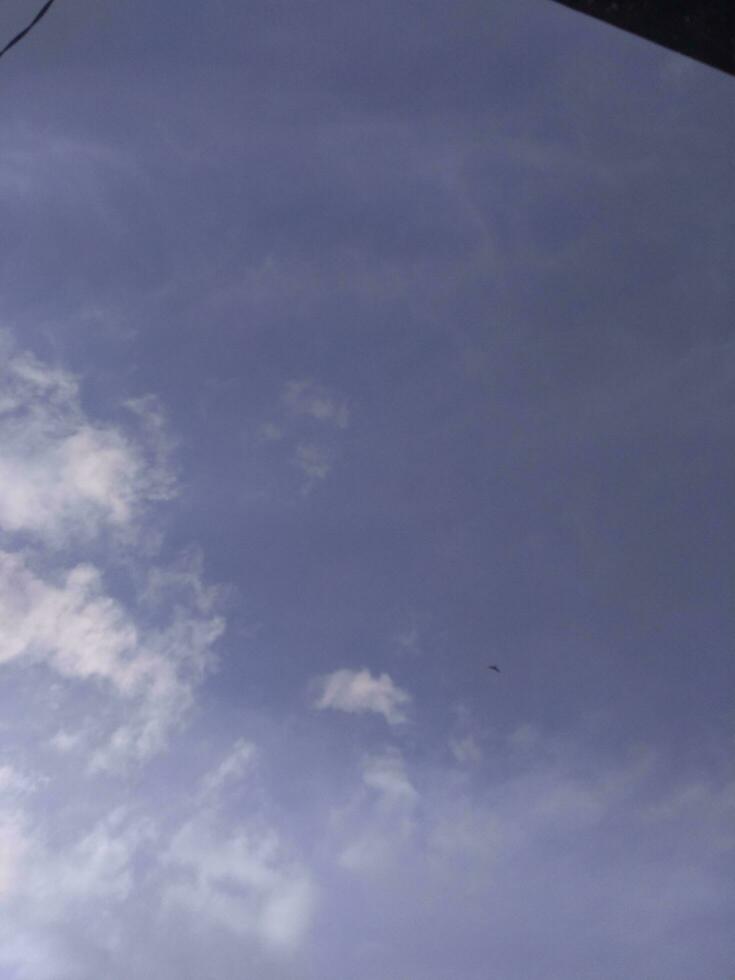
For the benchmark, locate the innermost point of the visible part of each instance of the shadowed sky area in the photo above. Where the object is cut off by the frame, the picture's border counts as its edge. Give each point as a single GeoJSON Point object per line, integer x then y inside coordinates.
{"type": "Point", "coordinates": [345, 350]}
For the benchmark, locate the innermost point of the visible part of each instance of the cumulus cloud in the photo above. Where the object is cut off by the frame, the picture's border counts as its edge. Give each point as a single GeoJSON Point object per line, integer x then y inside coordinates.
{"type": "Point", "coordinates": [70, 624]}
{"type": "Point", "coordinates": [66, 482]}
{"type": "Point", "coordinates": [60, 473]}
{"type": "Point", "coordinates": [357, 691]}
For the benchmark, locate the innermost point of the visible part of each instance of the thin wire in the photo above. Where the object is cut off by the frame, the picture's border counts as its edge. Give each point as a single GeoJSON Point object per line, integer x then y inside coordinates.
{"type": "Point", "coordinates": [19, 37]}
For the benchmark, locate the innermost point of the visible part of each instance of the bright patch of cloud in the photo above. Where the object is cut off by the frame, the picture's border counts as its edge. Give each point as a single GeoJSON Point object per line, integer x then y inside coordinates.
{"type": "Point", "coordinates": [51, 883]}
{"type": "Point", "coordinates": [82, 634]}
{"type": "Point", "coordinates": [357, 691]}
{"type": "Point", "coordinates": [64, 479]}
{"type": "Point", "coordinates": [60, 474]}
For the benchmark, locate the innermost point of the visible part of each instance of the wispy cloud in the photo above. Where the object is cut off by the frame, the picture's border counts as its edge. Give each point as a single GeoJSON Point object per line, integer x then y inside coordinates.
{"type": "Point", "coordinates": [69, 623]}
{"type": "Point", "coordinates": [233, 767]}
{"type": "Point", "coordinates": [465, 749]}
{"type": "Point", "coordinates": [307, 398]}
{"type": "Point", "coordinates": [235, 871]}
{"type": "Point", "coordinates": [380, 818]}
{"type": "Point", "coordinates": [314, 462]}
{"type": "Point", "coordinates": [309, 424]}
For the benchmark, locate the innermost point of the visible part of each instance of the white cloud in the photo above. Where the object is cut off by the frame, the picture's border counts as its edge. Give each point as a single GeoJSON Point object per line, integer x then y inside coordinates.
{"type": "Point", "coordinates": [82, 634]}
{"type": "Point", "coordinates": [66, 481]}
{"type": "Point", "coordinates": [61, 474]}
{"type": "Point", "coordinates": [239, 879]}
{"type": "Point", "coordinates": [357, 691]}
{"type": "Point", "coordinates": [54, 885]}
{"type": "Point", "coordinates": [307, 398]}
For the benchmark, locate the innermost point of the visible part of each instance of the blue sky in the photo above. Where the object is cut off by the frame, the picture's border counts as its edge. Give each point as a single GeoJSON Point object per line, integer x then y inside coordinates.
{"type": "Point", "coordinates": [345, 350]}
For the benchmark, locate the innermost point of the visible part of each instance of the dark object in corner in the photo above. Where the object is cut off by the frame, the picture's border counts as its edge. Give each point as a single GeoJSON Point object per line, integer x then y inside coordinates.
{"type": "Point", "coordinates": [701, 29]}
{"type": "Point", "coordinates": [21, 34]}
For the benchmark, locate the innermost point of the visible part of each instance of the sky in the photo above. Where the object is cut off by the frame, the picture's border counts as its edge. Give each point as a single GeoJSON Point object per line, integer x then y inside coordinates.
{"type": "Point", "coordinates": [345, 350]}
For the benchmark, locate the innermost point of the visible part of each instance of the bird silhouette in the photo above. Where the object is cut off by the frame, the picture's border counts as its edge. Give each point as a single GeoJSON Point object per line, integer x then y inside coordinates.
{"type": "Point", "coordinates": [493, 667]}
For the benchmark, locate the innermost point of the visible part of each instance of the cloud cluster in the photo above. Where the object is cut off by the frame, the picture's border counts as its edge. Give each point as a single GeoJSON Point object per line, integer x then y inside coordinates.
{"type": "Point", "coordinates": [209, 869]}
{"type": "Point", "coordinates": [154, 835]}
{"type": "Point", "coordinates": [116, 673]}
{"type": "Point", "coordinates": [68, 483]}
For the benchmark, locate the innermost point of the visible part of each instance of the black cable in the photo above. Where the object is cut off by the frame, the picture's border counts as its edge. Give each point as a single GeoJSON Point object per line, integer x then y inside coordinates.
{"type": "Point", "coordinates": [22, 34]}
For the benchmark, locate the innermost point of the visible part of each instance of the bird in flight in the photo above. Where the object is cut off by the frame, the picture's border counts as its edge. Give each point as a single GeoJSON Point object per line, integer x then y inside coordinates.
{"type": "Point", "coordinates": [493, 667]}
